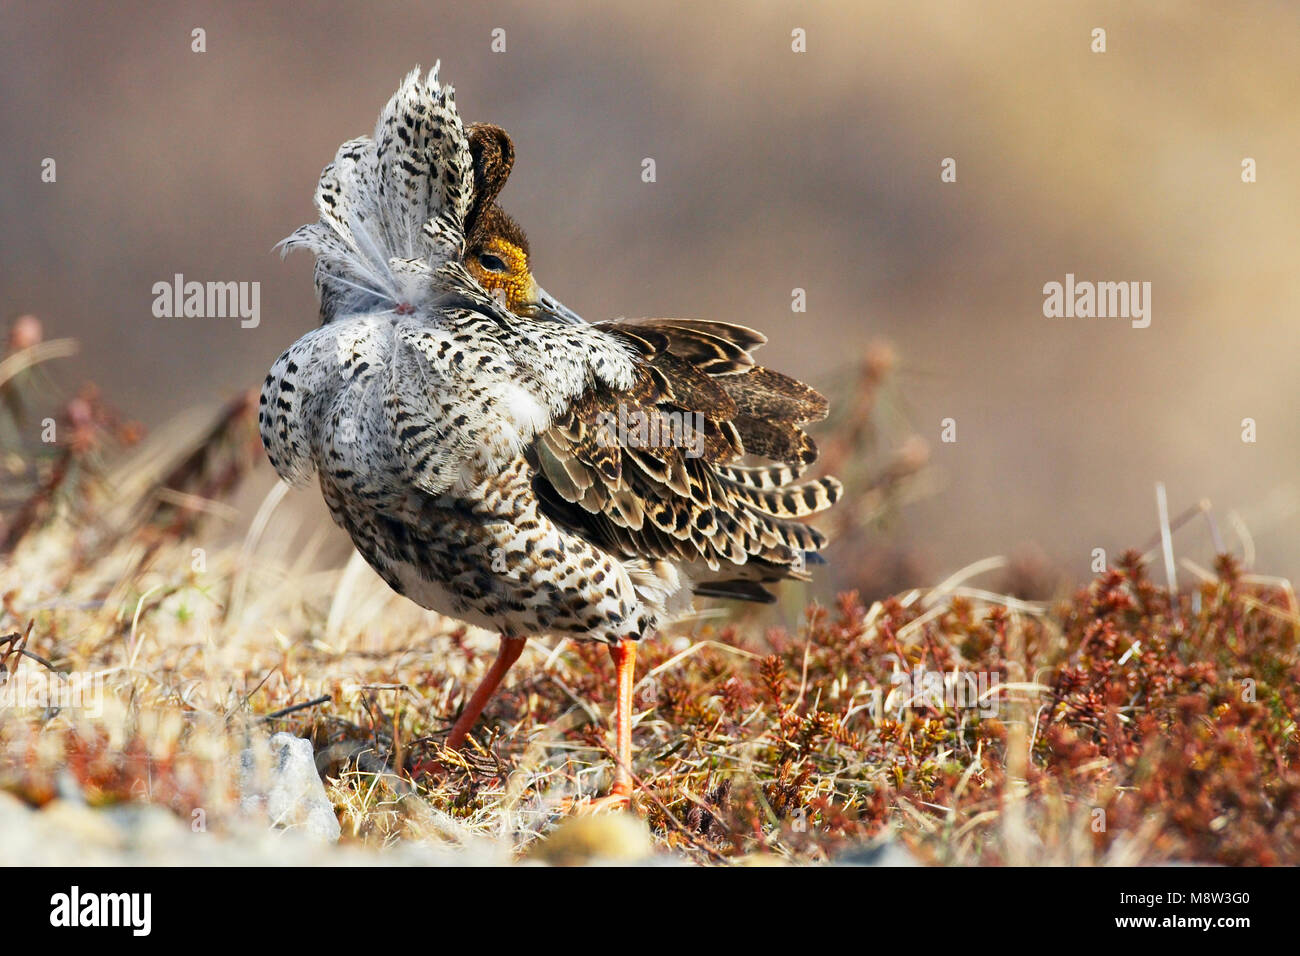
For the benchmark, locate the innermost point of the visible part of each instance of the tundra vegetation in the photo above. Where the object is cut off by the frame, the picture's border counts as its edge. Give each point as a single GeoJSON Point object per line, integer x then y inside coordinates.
{"type": "Point", "coordinates": [1111, 721]}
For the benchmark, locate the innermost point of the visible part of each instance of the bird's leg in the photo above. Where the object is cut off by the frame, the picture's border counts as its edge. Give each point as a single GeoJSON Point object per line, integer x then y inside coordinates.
{"type": "Point", "coordinates": [507, 654]}
{"type": "Point", "coordinates": [624, 656]}
{"type": "Point", "coordinates": [620, 794]}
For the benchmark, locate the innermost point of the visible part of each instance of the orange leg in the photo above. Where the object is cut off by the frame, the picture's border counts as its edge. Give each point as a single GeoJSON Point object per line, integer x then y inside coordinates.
{"type": "Point", "coordinates": [511, 648]}
{"type": "Point", "coordinates": [624, 656]}
{"type": "Point", "coordinates": [620, 794]}
{"type": "Point", "coordinates": [507, 654]}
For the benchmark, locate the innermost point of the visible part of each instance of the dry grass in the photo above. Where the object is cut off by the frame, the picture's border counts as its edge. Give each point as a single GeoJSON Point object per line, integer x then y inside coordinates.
{"type": "Point", "coordinates": [1121, 724]}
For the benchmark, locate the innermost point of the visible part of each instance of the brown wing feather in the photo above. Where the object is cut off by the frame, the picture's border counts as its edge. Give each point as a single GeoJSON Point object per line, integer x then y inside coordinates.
{"type": "Point", "coordinates": [683, 494]}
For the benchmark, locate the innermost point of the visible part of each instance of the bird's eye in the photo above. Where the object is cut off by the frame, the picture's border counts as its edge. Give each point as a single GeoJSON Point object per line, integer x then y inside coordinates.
{"type": "Point", "coordinates": [491, 263]}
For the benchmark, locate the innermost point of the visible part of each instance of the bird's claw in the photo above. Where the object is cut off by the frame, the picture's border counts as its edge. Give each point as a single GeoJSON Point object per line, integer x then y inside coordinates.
{"type": "Point", "coordinates": [613, 802]}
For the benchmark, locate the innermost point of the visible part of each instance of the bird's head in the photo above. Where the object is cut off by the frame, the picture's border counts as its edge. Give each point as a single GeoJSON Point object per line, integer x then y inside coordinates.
{"type": "Point", "coordinates": [496, 251]}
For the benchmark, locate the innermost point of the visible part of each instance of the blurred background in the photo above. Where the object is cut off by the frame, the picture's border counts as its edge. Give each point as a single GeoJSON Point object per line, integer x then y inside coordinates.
{"type": "Point", "coordinates": [775, 170]}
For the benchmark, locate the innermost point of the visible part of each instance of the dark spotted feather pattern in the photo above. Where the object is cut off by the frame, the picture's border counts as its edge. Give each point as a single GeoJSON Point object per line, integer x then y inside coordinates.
{"type": "Point", "coordinates": [657, 470]}
{"type": "Point", "coordinates": [518, 473]}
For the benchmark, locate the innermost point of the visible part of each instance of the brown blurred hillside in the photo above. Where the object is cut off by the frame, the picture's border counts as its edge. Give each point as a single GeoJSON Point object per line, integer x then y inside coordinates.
{"type": "Point", "coordinates": [775, 170]}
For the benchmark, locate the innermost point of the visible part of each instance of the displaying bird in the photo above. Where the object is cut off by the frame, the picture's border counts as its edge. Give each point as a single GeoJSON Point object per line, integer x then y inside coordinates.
{"type": "Point", "coordinates": [497, 459]}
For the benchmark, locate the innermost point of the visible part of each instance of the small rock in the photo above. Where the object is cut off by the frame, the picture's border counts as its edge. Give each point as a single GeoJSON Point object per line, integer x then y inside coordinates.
{"type": "Point", "coordinates": [885, 852]}
{"type": "Point", "coordinates": [81, 824]}
{"type": "Point", "coordinates": [760, 858]}
{"type": "Point", "coordinates": [600, 838]}
{"type": "Point", "coordinates": [145, 827]}
{"type": "Point", "coordinates": [294, 796]}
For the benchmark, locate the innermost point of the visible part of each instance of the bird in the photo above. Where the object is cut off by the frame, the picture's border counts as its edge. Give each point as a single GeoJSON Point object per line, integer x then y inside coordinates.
{"type": "Point", "coordinates": [496, 458]}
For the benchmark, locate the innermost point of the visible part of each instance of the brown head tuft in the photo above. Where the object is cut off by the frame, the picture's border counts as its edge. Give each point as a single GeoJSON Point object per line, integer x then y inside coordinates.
{"type": "Point", "coordinates": [493, 153]}
{"type": "Point", "coordinates": [495, 222]}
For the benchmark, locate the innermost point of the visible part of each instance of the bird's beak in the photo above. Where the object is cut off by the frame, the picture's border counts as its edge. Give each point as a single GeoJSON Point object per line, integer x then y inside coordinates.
{"type": "Point", "coordinates": [546, 306]}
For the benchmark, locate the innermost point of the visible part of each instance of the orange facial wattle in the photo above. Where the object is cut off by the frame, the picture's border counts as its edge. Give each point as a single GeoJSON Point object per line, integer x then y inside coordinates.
{"type": "Point", "coordinates": [515, 287]}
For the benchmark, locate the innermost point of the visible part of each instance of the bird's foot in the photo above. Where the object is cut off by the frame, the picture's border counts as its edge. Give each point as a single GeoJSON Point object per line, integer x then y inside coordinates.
{"type": "Point", "coordinates": [467, 761]}
{"type": "Point", "coordinates": [617, 800]}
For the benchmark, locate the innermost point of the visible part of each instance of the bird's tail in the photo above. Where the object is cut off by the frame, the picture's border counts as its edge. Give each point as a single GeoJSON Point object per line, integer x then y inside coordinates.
{"type": "Point", "coordinates": [392, 204]}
